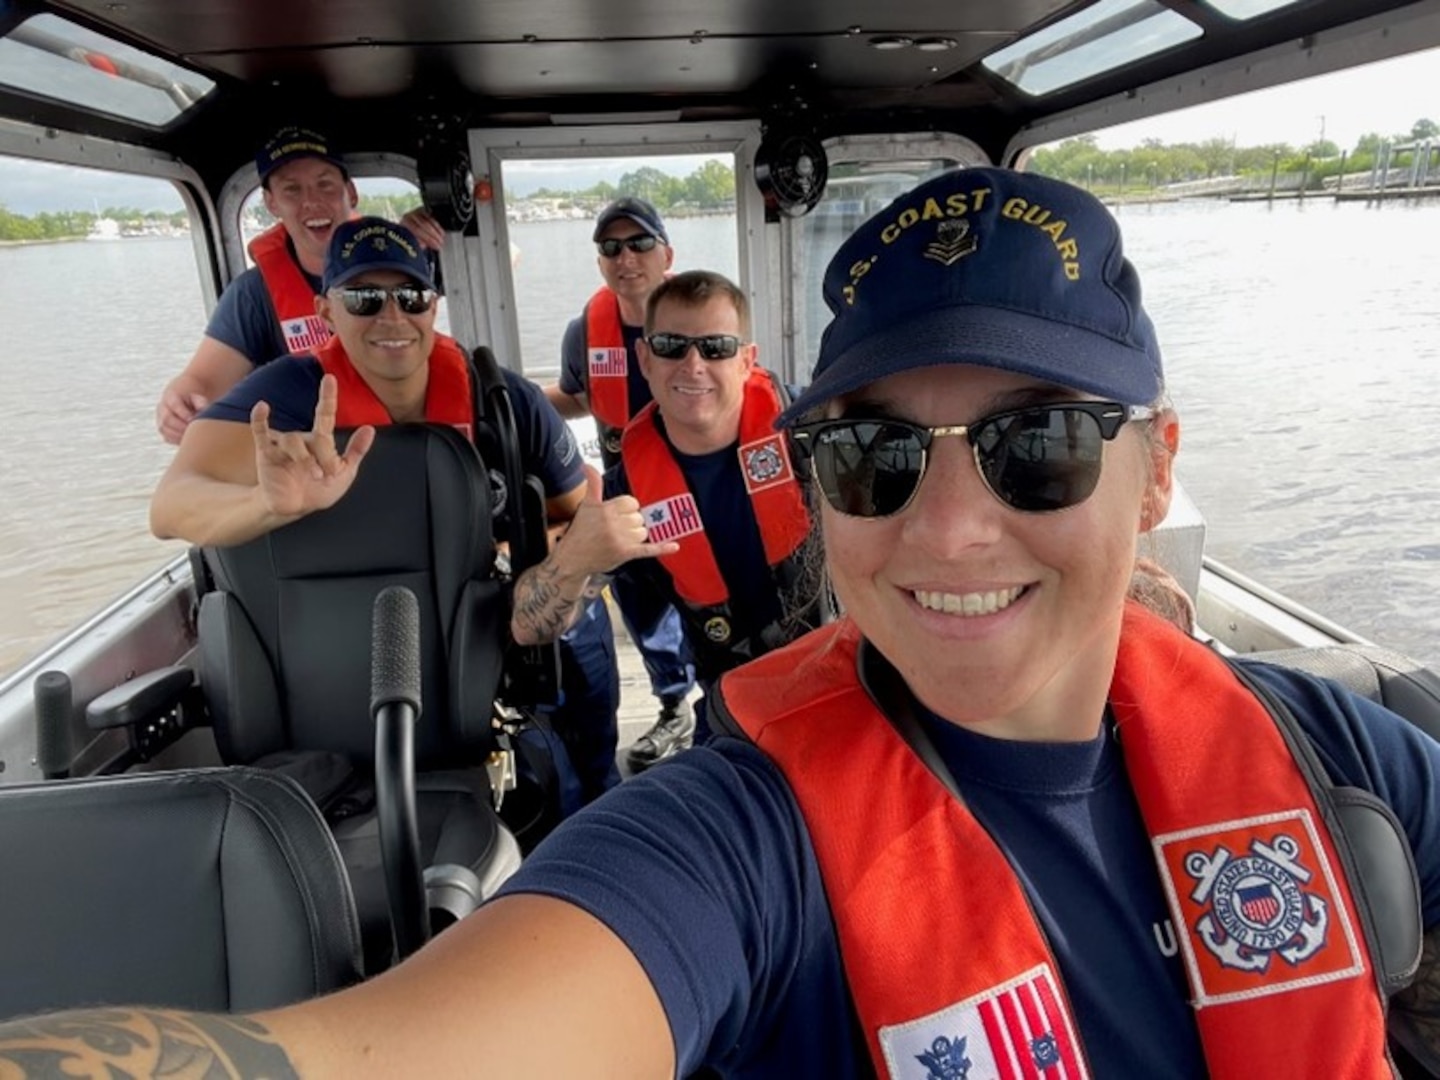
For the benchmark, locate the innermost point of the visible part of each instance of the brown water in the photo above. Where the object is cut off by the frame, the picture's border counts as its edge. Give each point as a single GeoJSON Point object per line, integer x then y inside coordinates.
{"type": "Point", "coordinates": [1300, 344]}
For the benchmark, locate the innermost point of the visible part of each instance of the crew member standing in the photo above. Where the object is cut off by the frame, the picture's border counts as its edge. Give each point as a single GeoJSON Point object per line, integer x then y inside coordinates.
{"type": "Point", "coordinates": [600, 376]}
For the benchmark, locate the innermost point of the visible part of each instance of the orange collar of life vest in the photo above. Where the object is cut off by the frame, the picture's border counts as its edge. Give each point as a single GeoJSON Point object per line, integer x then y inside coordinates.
{"type": "Point", "coordinates": [607, 360]}
{"type": "Point", "coordinates": [938, 939]}
{"type": "Point", "coordinates": [291, 293]}
{"type": "Point", "coordinates": [670, 510]}
{"type": "Point", "coordinates": [447, 391]}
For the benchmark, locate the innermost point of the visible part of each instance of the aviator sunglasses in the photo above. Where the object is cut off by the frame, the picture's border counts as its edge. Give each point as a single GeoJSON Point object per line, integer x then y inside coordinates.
{"type": "Point", "coordinates": [1035, 459]}
{"type": "Point", "coordinates": [367, 300]}
{"type": "Point", "coordinates": [711, 346]}
{"type": "Point", "coordinates": [639, 244]}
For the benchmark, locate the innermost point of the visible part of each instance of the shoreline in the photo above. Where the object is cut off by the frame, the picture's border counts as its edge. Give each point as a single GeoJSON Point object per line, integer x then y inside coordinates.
{"type": "Point", "coordinates": [45, 240]}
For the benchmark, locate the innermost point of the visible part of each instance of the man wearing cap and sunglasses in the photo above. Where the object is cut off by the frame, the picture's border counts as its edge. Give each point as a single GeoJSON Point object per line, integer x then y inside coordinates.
{"type": "Point", "coordinates": [600, 377]}
{"type": "Point", "coordinates": [269, 310]}
{"type": "Point", "coordinates": [701, 467]}
{"type": "Point", "coordinates": [265, 454]}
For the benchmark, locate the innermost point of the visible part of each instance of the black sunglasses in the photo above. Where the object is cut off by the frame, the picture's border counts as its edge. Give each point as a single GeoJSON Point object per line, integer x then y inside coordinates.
{"type": "Point", "coordinates": [711, 346]}
{"type": "Point", "coordinates": [367, 300]}
{"type": "Point", "coordinates": [639, 243]}
{"type": "Point", "coordinates": [1036, 459]}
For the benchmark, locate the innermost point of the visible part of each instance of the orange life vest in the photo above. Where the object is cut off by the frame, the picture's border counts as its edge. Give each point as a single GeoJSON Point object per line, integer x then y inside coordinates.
{"type": "Point", "coordinates": [1279, 970]}
{"type": "Point", "coordinates": [607, 360]}
{"type": "Point", "coordinates": [292, 296]}
{"type": "Point", "coordinates": [447, 392]}
{"type": "Point", "coordinates": [669, 508]}
{"type": "Point", "coordinates": [671, 513]}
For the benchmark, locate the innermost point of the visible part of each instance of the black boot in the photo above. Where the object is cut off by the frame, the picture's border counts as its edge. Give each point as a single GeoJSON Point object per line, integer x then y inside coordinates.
{"type": "Point", "coordinates": [673, 731]}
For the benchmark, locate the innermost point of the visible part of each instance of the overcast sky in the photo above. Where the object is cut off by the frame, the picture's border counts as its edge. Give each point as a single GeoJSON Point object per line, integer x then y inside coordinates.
{"type": "Point", "coordinates": [1386, 98]}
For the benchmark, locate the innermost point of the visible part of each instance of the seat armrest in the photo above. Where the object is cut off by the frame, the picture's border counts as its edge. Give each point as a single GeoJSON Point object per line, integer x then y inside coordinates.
{"type": "Point", "coordinates": [142, 698]}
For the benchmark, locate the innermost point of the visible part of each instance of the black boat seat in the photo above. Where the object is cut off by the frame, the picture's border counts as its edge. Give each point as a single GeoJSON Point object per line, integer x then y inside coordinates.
{"type": "Point", "coordinates": [207, 889]}
{"type": "Point", "coordinates": [285, 647]}
{"type": "Point", "coordinates": [1412, 691]}
{"type": "Point", "coordinates": [1394, 680]}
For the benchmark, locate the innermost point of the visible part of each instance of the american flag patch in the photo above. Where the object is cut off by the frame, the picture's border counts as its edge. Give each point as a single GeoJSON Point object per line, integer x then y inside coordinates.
{"type": "Point", "coordinates": [304, 333]}
{"type": "Point", "coordinates": [1015, 1031]}
{"type": "Point", "coordinates": [609, 362]}
{"type": "Point", "coordinates": [671, 519]}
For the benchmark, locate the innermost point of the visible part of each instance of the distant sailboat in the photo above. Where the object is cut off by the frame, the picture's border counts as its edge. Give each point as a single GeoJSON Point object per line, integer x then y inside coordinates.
{"type": "Point", "coordinates": [104, 229]}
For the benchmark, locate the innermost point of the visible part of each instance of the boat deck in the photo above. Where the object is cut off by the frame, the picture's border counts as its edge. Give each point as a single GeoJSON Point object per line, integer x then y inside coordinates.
{"type": "Point", "coordinates": [638, 706]}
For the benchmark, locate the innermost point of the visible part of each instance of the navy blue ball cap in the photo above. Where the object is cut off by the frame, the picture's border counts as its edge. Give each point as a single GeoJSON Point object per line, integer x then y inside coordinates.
{"type": "Point", "coordinates": [992, 267]}
{"type": "Point", "coordinates": [290, 144]}
{"type": "Point", "coordinates": [637, 210]}
{"type": "Point", "coordinates": [372, 243]}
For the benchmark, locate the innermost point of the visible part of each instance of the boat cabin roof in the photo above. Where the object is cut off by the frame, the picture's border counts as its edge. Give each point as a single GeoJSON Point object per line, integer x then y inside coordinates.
{"type": "Point", "coordinates": [386, 75]}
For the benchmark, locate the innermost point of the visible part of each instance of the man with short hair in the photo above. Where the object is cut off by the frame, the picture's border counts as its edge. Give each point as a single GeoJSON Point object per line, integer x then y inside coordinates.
{"type": "Point", "coordinates": [269, 310]}
{"type": "Point", "coordinates": [706, 472]}
{"type": "Point", "coordinates": [600, 376]}
{"type": "Point", "coordinates": [265, 454]}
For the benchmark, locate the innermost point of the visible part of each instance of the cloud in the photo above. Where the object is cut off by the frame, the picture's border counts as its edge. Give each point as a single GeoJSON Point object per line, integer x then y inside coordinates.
{"type": "Point", "coordinates": [34, 187]}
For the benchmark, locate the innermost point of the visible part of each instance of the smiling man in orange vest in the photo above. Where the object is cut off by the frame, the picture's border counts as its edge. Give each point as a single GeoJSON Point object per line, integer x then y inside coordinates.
{"type": "Point", "coordinates": [708, 473]}
{"type": "Point", "coordinates": [269, 310]}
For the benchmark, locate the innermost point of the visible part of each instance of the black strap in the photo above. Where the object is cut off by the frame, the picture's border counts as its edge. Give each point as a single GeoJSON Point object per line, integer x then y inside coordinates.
{"type": "Point", "coordinates": [1373, 848]}
{"type": "Point", "coordinates": [895, 702]}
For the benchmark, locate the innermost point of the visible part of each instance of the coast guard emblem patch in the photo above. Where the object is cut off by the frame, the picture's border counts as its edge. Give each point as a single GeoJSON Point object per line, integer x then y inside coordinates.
{"type": "Point", "coordinates": [1260, 906]}
{"type": "Point", "coordinates": [765, 463]}
{"type": "Point", "coordinates": [1015, 1030]}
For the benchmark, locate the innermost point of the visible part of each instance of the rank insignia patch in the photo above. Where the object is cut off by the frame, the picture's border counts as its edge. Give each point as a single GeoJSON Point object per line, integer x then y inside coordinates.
{"type": "Point", "coordinates": [1260, 908]}
{"type": "Point", "coordinates": [952, 242]}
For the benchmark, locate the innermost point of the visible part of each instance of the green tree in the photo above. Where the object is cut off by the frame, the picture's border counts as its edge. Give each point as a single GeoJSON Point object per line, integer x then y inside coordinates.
{"type": "Point", "coordinates": [648, 183]}
{"type": "Point", "coordinates": [711, 186]}
{"type": "Point", "coordinates": [1424, 129]}
{"type": "Point", "coordinates": [390, 207]}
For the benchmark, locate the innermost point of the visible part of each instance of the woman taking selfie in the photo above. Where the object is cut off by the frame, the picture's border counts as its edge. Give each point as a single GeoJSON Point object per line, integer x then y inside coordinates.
{"type": "Point", "coordinates": [994, 822]}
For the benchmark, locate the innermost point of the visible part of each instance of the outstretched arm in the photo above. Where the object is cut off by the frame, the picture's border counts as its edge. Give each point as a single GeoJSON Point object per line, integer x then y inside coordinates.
{"type": "Point", "coordinates": [603, 534]}
{"type": "Point", "coordinates": [527, 986]}
{"type": "Point", "coordinates": [230, 483]}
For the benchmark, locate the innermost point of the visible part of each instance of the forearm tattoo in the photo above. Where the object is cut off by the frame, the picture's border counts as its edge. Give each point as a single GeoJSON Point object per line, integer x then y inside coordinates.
{"type": "Point", "coordinates": [543, 606]}
{"type": "Point", "coordinates": [115, 1043]}
{"type": "Point", "coordinates": [1415, 1011]}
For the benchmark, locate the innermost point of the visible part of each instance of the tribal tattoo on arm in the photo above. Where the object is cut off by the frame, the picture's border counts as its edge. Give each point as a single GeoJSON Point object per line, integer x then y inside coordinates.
{"type": "Point", "coordinates": [113, 1043]}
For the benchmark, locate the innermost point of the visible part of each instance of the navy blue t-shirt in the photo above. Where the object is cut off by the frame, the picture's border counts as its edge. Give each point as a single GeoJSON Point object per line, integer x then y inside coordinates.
{"type": "Point", "coordinates": [703, 866]}
{"type": "Point", "coordinates": [575, 365]}
{"type": "Point", "coordinates": [245, 317]}
{"type": "Point", "coordinates": [718, 484]}
{"type": "Point", "coordinates": [291, 386]}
